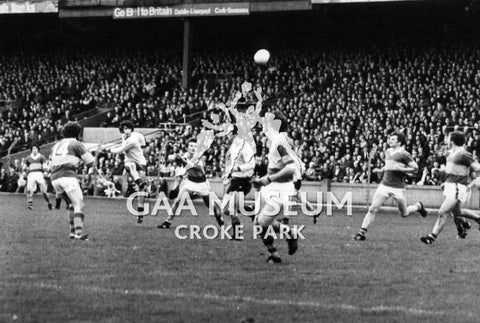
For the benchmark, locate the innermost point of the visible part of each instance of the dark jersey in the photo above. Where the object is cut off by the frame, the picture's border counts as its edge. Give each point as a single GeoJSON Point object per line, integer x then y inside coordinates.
{"type": "Point", "coordinates": [35, 164]}
{"type": "Point", "coordinates": [197, 173]}
{"type": "Point", "coordinates": [395, 178]}
{"type": "Point", "coordinates": [458, 167]}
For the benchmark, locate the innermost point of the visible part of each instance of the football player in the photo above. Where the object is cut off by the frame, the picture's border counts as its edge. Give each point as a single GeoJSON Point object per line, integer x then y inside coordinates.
{"type": "Point", "coordinates": [35, 165]}
{"type": "Point", "coordinates": [66, 157]}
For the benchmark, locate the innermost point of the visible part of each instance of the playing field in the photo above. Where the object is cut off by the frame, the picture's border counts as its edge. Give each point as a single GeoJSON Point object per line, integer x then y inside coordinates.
{"type": "Point", "coordinates": [138, 273]}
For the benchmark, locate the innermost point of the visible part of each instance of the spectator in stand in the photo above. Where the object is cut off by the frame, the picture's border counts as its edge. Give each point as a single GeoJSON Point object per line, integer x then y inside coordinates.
{"type": "Point", "coordinates": [311, 173]}
{"type": "Point", "coordinates": [339, 101]}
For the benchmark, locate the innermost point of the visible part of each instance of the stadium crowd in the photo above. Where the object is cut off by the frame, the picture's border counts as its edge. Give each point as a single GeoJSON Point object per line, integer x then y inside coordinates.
{"type": "Point", "coordinates": [339, 102]}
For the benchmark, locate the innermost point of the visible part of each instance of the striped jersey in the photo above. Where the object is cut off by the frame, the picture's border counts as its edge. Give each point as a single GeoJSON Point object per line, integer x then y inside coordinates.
{"type": "Point", "coordinates": [458, 167]}
{"type": "Point", "coordinates": [66, 157]}
{"type": "Point", "coordinates": [395, 178]}
{"type": "Point", "coordinates": [35, 164]}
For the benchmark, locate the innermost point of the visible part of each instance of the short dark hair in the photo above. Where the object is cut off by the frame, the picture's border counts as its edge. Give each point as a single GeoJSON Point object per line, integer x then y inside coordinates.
{"type": "Point", "coordinates": [72, 130]}
{"type": "Point", "coordinates": [458, 138]}
{"type": "Point", "coordinates": [280, 116]}
{"type": "Point", "coordinates": [126, 124]}
{"type": "Point", "coordinates": [34, 145]}
{"type": "Point", "coordinates": [191, 140]}
{"type": "Point", "coordinates": [400, 136]}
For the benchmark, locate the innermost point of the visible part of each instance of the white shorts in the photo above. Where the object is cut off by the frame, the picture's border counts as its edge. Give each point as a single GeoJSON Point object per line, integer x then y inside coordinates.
{"type": "Point", "coordinates": [68, 185]}
{"type": "Point", "coordinates": [388, 191]}
{"type": "Point", "coordinates": [457, 191]}
{"type": "Point", "coordinates": [278, 193]}
{"type": "Point", "coordinates": [201, 189]}
{"type": "Point", "coordinates": [34, 179]}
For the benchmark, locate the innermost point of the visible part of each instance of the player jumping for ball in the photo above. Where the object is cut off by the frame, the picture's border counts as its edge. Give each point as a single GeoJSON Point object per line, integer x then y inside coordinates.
{"type": "Point", "coordinates": [460, 164]}
{"type": "Point", "coordinates": [66, 157]}
{"type": "Point", "coordinates": [35, 165]}
{"type": "Point", "coordinates": [240, 164]}
{"type": "Point", "coordinates": [135, 162]}
{"type": "Point", "coordinates": [398, 163]}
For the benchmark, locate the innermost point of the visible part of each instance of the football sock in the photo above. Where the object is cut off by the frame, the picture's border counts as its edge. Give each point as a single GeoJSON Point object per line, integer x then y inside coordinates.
{"type": "Point", "coordinates": [362, 231]}
{"type": "Point", "coordinates": [273, 251]}
{"type": "Point", "coordinates": [45, 196]}
{"type": "Point", "coordinates": [78, 223]}
{"type": "Point", "coordinates": [58, 202]}
{"type": "Point", "coordinates": [70, 218]}
{"type": "Point", "coordinates": [141, 184]}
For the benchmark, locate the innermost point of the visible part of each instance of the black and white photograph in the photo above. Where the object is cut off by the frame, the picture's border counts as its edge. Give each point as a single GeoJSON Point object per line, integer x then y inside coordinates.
{"type": "Point", "coordinates": [240, 161]}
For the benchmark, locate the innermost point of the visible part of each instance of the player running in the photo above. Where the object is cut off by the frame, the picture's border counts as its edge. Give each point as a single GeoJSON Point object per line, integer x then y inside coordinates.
{"type": "Point", "coordinates": [194, 183]}
{"type": "Point", "coordinates": [66, 157]}
{"type": "Point", "coordinates": [135, 162]}
{"type": "Point", "coordinates": [398, 163]}
{"type": "Point", "coordinates": [460, 164]}
{"type": "Point", "coordinates": [276, 187]}
{"type": "Point", "coordinates": [35, 165]}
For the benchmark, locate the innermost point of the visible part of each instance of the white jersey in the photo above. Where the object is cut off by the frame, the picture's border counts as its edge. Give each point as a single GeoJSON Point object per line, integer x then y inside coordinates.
{"type": "Point", "coordinates": [240, 155]}
{"type": "Point", "coordinates": [132, 147]}
{"type": "Point", "coordinates": [276, 160]}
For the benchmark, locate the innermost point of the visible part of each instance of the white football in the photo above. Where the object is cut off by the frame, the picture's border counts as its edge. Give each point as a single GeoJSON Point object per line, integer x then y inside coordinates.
{"type": "Point", "coordinates": [261, 56]}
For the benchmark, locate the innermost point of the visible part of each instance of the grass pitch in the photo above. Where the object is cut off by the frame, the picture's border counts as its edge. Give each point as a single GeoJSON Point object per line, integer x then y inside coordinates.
{"type": "Point", "coordinates": [138, 273]}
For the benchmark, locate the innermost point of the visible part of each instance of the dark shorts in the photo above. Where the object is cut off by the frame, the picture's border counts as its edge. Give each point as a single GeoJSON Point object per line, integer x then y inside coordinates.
{"type": "Point", "coordinates": [298, 184]}
{"type": "Point", "coordinates": [239, 184]}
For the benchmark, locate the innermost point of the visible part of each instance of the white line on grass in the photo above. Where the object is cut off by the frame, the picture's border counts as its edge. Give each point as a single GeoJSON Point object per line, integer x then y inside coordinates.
{"type": "Point", "coordinates": [264, 301]}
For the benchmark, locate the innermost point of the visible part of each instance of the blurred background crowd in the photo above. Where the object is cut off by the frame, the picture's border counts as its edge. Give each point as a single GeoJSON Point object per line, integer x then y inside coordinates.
{"type": "Point", "coordinates": [343, 92]}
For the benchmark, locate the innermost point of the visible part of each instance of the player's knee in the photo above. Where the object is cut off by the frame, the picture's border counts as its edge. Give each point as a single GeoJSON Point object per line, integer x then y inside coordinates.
{"type": "Point", "coordinates": [267, 240]}
{"type": "Point", "coordinates": [373, 209]}
{"type": "Point", "coordinates": [78, 206]}
{"type": "Point", "coordinates": [403, 213]}
{"type": "Point", "coordinates": [262, 221]}
{"type": "Point", "coordinates": [442, 213]}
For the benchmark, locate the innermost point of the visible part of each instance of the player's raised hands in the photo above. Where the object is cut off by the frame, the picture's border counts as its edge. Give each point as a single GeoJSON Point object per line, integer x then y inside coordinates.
{"type": "Point", "coordinates": [207, 124]}
{"type": "Point", "coordinates": [238, 96]}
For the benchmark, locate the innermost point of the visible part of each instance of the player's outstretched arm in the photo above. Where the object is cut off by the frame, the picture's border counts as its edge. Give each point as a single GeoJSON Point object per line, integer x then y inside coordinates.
{"type": "Point", "coordinates": [475, 168]}
{"type": "Point", "coordinates": [258, 94]}
{"type": "Point", "coordinates": [378, 170]}
{"type": "Point", "coordinates": [123, 148]}
{"type": "Point", "coordinates": [411, 168]}
{"type": "Point", "coordinates": [233, 106]}
{"type": "Point", "coordinates": [207, 124]}
{"type": "Point", "coordinates": [284, 173]}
